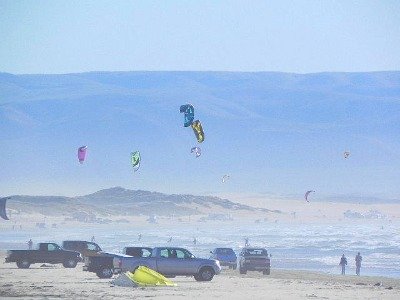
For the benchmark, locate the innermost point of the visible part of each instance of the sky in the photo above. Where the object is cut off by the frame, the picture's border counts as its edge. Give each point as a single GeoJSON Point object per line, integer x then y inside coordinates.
{"type": "Point", "coordinates": [275, 134]}
{"type": "Point", "coordinates": [57, 37]}
{"type": "Point", "coordinates": [303, 36]}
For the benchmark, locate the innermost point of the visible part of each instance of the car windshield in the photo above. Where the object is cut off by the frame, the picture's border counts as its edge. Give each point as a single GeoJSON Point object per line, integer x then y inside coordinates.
{"type": "Point", "coordinates": [260, 252]}
{"type": "Point", "coordinates": [224, 251]}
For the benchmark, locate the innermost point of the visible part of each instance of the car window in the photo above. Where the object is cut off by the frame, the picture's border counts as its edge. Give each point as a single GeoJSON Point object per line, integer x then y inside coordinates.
{"type": "Point", "coordinates": [164, 253]}
{"type": "Point", "coordinates": [146, 253]}
{"type": "Point", "coordinates": [224, 251]}
{"type": "Point", "coordinates": [91, 247]}
{"type": "Point", "coordinates": [51, 247]}
{"type": "Point", "coordinates": [256, 252]}
{"type": "Point", "coordinates": [180, 254]}
{"type": "Point", "coordinates": [187, 254]}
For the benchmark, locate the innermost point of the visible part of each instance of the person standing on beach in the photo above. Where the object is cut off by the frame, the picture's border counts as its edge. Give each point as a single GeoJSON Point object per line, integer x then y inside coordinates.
{"type": "Point", "coordinates": [30, 244]}
{"type": "Point", "coordinates": [358, 260]}
{"type": "Point", "coordinates": [343, 263]}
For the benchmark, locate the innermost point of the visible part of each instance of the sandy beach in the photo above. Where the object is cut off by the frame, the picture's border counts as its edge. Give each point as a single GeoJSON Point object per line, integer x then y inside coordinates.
{"type": "Point", "coordinates": [54, 281]}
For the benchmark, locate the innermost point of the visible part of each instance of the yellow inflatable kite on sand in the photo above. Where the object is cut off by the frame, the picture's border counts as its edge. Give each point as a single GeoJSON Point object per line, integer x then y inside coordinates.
{"type": "Point", "coordinates": [144, 276]}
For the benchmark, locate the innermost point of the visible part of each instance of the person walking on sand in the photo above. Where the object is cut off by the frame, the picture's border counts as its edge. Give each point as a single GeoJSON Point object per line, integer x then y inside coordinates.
{"type": "Point", "coordinates": [358, 260]}
{"type": "Point", "coordinates": [343, 263]}
{"type": "Point", "coordinates": [30, 244]}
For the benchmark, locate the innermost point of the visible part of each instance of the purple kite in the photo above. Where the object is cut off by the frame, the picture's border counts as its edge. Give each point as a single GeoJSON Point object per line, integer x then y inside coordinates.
{"type": "Point", "coordinates": [82, 154]}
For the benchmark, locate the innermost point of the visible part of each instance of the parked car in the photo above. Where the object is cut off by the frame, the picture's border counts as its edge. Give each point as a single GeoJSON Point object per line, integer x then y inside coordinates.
{"type": "Point", "coordinates": [85, 248]}
{"type": "Point", "coordinates": [254, 259]}
{"type": "Point", "coordinates": [225, 256]}
{"type": "Point", "coordinates": [49, 253]}
{"type": "Point", "coordinates": [171, 262]}
{"type": "Point", "coordinates": [103, 265]}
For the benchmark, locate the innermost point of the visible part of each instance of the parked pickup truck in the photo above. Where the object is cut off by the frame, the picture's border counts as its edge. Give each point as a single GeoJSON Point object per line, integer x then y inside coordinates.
{"type": "Point", "coordinates": [171, 262]}
{"type": "Point", "coordinates": [254, 259]}
{"type": "Point", "coordinates": [46, 253]}
{"type": "Point", "coordinates": [103, 265]}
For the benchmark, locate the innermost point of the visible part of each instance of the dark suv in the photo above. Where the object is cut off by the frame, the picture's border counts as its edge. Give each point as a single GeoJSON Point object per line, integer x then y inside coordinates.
{"type": "Point", "coordinates": [225, 256]}
{"type": "Point", "coordinates": [254, 259]}
{"type": "Point", "coordinates": [86, 249]}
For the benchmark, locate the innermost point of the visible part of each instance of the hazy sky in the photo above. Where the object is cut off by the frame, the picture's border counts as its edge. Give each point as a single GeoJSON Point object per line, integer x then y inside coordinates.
{"type": "Point", "coordinates": [291, 36]}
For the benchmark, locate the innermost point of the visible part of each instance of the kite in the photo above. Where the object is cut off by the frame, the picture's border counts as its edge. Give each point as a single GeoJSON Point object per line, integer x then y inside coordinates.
{"type": "Point", "coordinates": [3, 208]}
{"type": "Point", "coordinates": [196, 150]}
{"type": "Point", "coordinates": [198, 131]}
{"type": "Point", "coordinates": [188, 110]}
{"type": "Point", "coordinates": [306, 195]}
{"type": "Point", "coordinates": [135, 160]}
{"type": "Point", "coordinates": [346, 154]}
{"type": "Point", "coordinates": [225, 178]}
{"type": "Point", "coordinates": [82, 154]}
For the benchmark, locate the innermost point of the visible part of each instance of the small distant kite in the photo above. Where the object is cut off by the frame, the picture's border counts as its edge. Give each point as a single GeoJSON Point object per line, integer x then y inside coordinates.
{"type": "Point", "coordinates": [308, 193]}
{"type": "Point", "coordinates": [196, 150]}
{"type": "Point", "coordinates": [346, 154]}
{"type": "Point", "coordinates": [198, 131]}
{"type": "Point", "coordinates": [3, 213]}
{"type": "Point", "coordinates": [188, 110]}
{"type": "Point", "coordinates": [225, 178]}
{"type": "Point", "coordinates": [135, 160]}
{"type": "Point", "coordinates": [82, 154]}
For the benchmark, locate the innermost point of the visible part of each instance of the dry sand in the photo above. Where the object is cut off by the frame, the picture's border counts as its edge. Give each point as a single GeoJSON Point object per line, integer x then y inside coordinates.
{"type": "Point", "coordinates": [58, 282]}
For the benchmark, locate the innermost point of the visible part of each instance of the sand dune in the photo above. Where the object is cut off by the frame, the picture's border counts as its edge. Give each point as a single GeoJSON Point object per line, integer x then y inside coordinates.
{"type": "Point", "coordinates": [57, 282]}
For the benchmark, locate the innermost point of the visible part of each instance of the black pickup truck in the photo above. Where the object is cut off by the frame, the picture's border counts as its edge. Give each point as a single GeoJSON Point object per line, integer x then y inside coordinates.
{"type": "Point", "coordinates": [103, 265]}
{"type": "Point", "coordinates": [46, 253]}
{"type": "Point", "coordinates": [254, 259]}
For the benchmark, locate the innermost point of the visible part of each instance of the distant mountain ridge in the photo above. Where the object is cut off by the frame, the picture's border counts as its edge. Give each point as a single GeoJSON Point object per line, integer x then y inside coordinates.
{"type": "Point", "coordinates": [120, 201]}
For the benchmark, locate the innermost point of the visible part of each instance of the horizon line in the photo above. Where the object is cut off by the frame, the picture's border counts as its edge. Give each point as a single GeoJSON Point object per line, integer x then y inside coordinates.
{"type": "Point", "coordinates": [203, 71]}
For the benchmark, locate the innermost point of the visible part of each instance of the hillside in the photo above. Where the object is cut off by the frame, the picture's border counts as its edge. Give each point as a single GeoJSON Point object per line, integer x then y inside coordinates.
{"type": "Point", "coordinates": [120, 201]}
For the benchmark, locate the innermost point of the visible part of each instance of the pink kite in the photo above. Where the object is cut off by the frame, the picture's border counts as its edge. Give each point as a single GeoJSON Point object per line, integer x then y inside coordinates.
{"type": "Point", "coordinates": [82, 154]}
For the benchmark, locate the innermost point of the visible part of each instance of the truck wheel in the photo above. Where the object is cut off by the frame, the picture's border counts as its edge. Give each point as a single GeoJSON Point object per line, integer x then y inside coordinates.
{"type": "Point", "coordinates": [104, 273]}
{"type": "Point", "coordinates": [242, 270]}
{"type": "Point", "coordinates": [267, 272]}
{"type": "Point", "coordinates": [70, 263]}
{"type": "Point", "coordinates": [205, 274]}
{"type": "Point", "coordinates": [23, 264]}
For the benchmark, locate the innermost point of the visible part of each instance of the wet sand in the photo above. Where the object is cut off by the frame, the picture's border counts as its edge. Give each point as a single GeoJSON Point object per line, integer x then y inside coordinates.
{"type": "Point", "coordinates": [54, 281]}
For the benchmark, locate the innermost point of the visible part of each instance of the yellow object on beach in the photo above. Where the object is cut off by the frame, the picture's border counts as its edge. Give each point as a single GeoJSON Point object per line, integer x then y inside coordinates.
{"type": "Point", "coordinates": [144, 276]}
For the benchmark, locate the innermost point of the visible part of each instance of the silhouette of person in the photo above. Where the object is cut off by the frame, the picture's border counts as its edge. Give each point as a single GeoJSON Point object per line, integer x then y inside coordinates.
{"type": "Point", "coordinates": [30, 244]}
{"type": "Point", "coordinates": [358, 260]}
{"type": "Point", "coordinates": [173, 254]}
{"type": "Point", "coordinates": [343, 263]}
